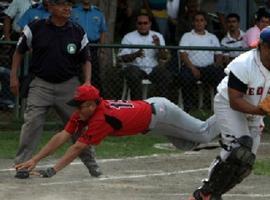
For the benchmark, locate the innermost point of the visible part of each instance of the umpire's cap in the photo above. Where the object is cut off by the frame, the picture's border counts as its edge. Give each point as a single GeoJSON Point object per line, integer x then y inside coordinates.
{"type": "Point", "coordinates": [265, 35]}
{"type": "Point", "coordinates": [84, 93]}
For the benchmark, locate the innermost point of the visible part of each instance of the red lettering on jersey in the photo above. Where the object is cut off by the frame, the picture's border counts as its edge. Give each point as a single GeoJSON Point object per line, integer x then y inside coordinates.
{"type": "Point", "coordinates": [251, 91]}
{"type": "Point", "coordinates": [259, 90]}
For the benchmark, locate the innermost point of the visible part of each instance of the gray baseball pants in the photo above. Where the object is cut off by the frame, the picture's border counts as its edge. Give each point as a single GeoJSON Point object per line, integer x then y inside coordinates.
{"type": "Point", "coordinates": [234, 124]}
{"type": "Point", "coordinates": [170, 120]}
{"type": "Point", "coordinates": [42, 96]}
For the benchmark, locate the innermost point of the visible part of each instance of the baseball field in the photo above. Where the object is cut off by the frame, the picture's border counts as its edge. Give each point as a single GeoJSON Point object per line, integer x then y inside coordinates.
{"type": "Point", "coordinates": [170, 176]}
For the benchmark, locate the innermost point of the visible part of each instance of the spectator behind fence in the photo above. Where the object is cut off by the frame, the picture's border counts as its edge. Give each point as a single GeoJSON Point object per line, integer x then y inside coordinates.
{"type": "Point", "coordinates": [199, 65]}
{"type": "Point", "coordinates": [13, 13]}
{"type": "Point", "coordinates": [124, 18]}
{"type": "Point", "coordinates": [234, 37]}
{"type": "Point", "coordinates": [266, 6]}
{"type": "Point", "coordinates": [157, 9]}
{"type": "Point", "coordinates": [174, 8]}
{"type": "Point", "coordinates": [184, 23]}
{"type": "Point", "coordinates": [93, 22]}
{"type": "Point", "coordinates": [145, 63]}
{"type": "Point", "coordinates": [252, 36]}
{"type": "Point", "coordinates": [7, 99]}
{"type": "Point", "coordinates": [225, 7]}
{"type": "Point", "coordinates": [58, 47]}
{"type": "Point", "coordinates": [39, 11]}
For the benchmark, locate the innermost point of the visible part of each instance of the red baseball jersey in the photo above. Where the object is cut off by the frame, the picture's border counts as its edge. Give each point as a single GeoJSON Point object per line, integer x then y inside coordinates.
{"type": "Point", "coordinates": [114, 118]}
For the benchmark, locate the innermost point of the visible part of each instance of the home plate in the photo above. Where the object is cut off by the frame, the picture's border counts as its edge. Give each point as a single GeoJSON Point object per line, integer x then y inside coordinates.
{"type": "Point", "coordinates": [165, 146]}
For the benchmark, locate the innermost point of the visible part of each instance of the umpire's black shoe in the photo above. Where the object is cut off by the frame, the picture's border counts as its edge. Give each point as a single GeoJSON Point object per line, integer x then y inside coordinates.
{"type": "Point", "coordinates": [22, 174]}
{"type": "Point", "coordinates": [94, 171]}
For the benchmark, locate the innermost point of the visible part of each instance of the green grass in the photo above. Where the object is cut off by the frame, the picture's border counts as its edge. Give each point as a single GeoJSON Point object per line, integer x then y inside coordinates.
{"type": "Point", "coordinates": [130, 146]}
{"type": "Point", "coordinates": [9, 141]}
{"type": "Point", "coordinates": [111, 147]}
{"type": "Point", "coordinates": [262, 167]}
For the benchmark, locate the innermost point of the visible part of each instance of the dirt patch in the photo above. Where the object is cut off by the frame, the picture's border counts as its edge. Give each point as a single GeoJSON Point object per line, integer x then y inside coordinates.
{"type": "Point", "coordinates": [157, 177]}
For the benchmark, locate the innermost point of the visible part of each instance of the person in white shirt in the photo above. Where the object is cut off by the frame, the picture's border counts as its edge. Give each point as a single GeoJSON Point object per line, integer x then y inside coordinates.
{"type": "Point", "coordinates": [234, 37]}
{"type": "Point", "coordinates": [200, 65]}
{"type": "Point", "coordinates": [13, 13]}
{"type": "Point", "coordinates": [142, 64]}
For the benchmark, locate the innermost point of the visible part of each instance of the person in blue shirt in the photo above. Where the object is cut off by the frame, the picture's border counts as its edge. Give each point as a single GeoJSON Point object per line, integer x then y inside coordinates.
{"type": "Point", "coordinates": [93, 22]}
{"type": "Point", "coordinates": [36, 11]}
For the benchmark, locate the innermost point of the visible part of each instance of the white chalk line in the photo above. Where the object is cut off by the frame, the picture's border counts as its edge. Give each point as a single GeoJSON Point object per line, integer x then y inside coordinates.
{"type": "Point", "coordinates": [225, 195]}
{"type": "Point", "coordinates": [103, 161]}
{"type": "Point", "coordinates": [128, 158]}
{"type": "Point", "coordinates": [140, 176]}
{"type": "Point", "coordinates": [127, 177]}
{"type": "Point", "coordinates": [170, 147]}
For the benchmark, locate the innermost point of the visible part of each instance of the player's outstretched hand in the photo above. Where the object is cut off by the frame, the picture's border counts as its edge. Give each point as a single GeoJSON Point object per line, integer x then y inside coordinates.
{"type": "Point", "coordinates": [29, 165]}
{"type": "Point", "coordinates": [265, 105]}
{"type": "Point", "coordinates": [47, 173]}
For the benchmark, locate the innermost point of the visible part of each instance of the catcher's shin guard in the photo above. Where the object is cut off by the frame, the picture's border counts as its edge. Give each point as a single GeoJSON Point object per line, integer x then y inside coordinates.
{"type": "Point", "coordinates": [226, 174]}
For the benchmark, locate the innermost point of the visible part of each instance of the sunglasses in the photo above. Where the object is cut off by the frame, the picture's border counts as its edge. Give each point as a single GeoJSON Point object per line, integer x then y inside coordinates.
{"type": "Point", "coordinates": [142, 23]}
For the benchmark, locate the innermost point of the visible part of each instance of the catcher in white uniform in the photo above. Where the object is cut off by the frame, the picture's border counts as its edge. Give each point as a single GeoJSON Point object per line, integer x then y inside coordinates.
{"type": "Point", "coordinates": [239, 106]}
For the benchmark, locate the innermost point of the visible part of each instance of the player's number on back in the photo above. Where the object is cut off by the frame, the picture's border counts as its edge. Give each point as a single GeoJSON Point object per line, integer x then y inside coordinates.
{"type": "Point", "coordinates": [118, 104]}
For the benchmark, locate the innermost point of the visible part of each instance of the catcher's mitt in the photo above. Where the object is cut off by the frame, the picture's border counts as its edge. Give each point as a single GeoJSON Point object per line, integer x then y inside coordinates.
{"type": "Point", "coordinates": [265, 105]}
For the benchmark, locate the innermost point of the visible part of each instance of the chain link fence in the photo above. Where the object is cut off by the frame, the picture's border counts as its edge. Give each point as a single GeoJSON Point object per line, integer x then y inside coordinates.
{"type": "Point", "coordinates": [150, 73]}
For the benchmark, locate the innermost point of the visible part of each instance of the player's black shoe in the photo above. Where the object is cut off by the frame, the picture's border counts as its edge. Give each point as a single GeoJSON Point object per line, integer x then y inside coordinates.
{"type": "Point", "coordinates": [22, 174]}
{"type": "Point", "coordinates": [94, 171]}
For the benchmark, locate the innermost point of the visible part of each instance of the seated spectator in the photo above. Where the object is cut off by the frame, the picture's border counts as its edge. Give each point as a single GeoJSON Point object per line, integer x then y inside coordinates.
{"type": "Point", "coordinates": [244, 10]}
{"type": "Point", "coordinates": [11, 30]}
{"type": "Point", "coordinates": [36, 11]}
{"type": "Point", "coordinates": [200, 65]}
{"type": "Point", "coordinates": [252, 36]}
{"type": "Point", "coordinates": [13, 13]}
{"type": "Point", "coordinates": [7, 100]}
{"type": "Point", "coordinates": [234, 37]}
{"type": "Point", "coordinates": [144, 63]}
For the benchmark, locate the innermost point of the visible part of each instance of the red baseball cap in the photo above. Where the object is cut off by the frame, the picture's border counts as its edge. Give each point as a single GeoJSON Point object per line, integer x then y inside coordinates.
{"type": "Point", "coordinates": [84, 93]}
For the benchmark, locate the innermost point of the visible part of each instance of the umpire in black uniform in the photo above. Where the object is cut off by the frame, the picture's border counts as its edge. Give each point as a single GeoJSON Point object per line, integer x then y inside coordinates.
{"type": "Point", "coordinates": [59, 50]}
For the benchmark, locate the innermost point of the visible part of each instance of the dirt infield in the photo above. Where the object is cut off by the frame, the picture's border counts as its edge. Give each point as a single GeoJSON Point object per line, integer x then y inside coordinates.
{"type": "Point", "coordinates": [163, 177]}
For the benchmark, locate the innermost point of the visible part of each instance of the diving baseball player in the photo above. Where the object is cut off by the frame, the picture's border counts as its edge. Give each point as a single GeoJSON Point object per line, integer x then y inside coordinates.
{"type": "Point", "coordinates": [239, 106]}
{"type": "Point", "coordinates": [96, 119]}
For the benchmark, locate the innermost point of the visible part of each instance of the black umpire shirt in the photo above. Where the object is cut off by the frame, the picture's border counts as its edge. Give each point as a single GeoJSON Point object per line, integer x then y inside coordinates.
{"type": "Point", "coordinates": [56, 51]}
